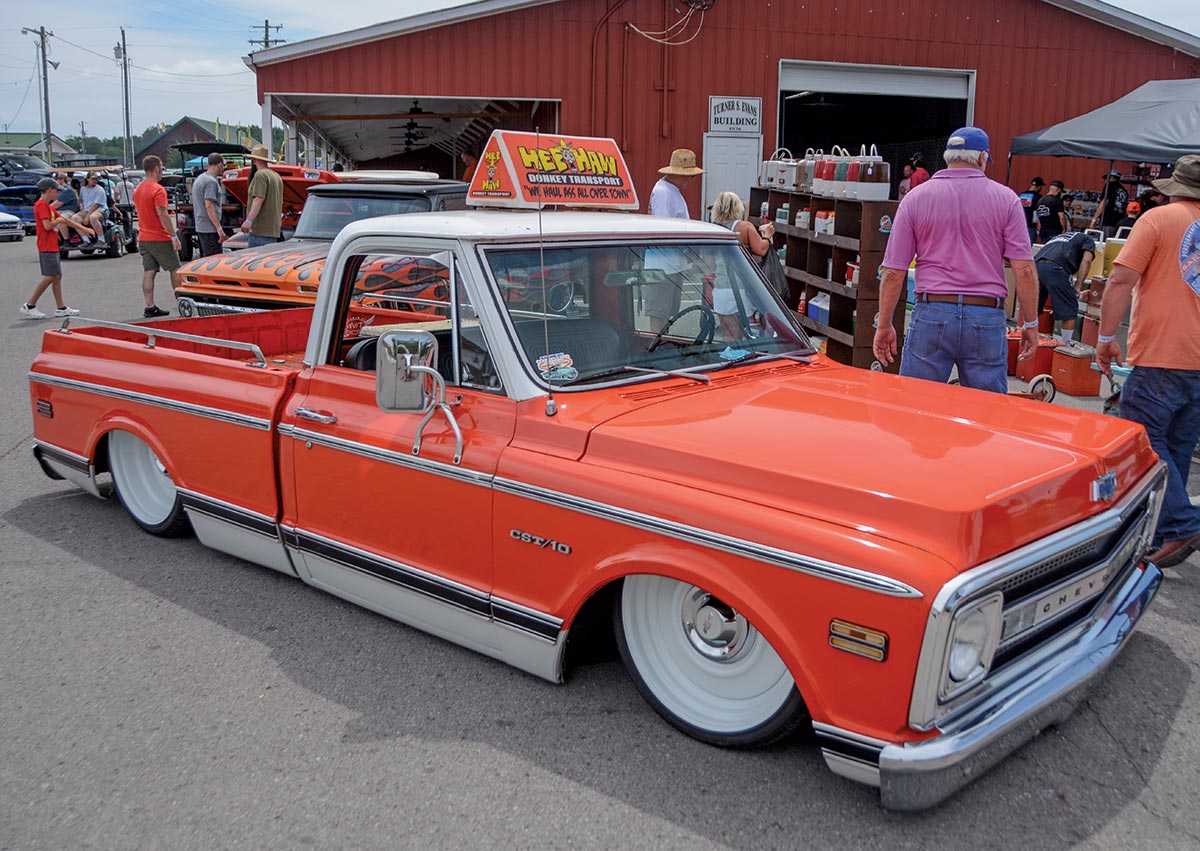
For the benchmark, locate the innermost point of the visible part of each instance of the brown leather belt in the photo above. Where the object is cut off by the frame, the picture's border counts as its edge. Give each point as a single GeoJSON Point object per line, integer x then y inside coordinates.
{"type": "Point", "coordinates": [975, 300]}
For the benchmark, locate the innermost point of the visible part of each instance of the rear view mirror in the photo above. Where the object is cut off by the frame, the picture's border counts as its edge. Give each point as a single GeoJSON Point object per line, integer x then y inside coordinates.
{"type": "Point", "coordinates": [404, 371]}
{"type": "Point", "coordinates": [633, 277]}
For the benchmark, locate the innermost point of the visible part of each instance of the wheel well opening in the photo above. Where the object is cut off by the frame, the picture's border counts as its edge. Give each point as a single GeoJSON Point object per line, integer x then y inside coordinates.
{"type": "Point", "coordinates": [591, 639]}
{"type": "Point", "coordinates": [100, 457]}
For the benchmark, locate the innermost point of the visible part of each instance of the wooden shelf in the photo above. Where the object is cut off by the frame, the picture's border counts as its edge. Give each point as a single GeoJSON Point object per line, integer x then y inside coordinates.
{"type": "Point", "coordinates": [847, 242]}
{"type": "Point", "coordinates": [825, 331]}
{"type": "Point", "coordinates": [823, 284]}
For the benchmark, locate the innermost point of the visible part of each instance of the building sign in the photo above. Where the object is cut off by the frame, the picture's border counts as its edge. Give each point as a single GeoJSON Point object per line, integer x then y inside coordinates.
{"type": "Point", "coordinates": [524, 170]}
{"type": "Point", "coordinates": [735, 115]}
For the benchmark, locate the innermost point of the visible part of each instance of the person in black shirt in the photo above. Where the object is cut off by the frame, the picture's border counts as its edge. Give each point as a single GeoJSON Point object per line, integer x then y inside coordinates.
{"type": "Point", "coordinates": [1029, 200]}
{"type": "Point", "coordinates": [1132, 210]}
{"type": "Point", "coordinates": [1066, 256]}
{"type": "Point", "coordinates": [1112, 205]}
{"type": "Point", "coordinates": [1051, 218]}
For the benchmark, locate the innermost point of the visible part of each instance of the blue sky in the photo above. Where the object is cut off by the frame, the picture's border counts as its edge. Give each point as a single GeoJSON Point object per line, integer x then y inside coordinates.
{"type": "Point", "coordinates": [188, 54]}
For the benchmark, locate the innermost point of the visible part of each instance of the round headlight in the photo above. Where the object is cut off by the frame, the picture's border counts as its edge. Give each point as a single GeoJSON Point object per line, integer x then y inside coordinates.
{"type": "Point", "coordinates": [970, 638]}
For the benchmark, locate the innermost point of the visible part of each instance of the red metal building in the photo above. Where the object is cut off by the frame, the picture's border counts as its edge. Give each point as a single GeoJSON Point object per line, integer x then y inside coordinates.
{"type": "Point", "coordinates": [430, 85]}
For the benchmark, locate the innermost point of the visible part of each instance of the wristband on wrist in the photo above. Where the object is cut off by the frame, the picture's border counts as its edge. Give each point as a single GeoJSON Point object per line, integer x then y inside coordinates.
{"type": "Point", "coordinates": [1033, 323]}
{"type": "Point", "coordinates": [1100, 338]}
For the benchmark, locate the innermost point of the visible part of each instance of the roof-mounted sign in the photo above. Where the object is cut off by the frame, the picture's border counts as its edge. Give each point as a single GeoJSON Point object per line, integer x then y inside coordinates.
{"type": "Point", "coordinates": [525, 170]}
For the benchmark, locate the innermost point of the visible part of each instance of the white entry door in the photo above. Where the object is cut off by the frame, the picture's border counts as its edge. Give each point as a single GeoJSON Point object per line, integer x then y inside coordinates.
{"type": "Point", "coordinates": [730, 164]}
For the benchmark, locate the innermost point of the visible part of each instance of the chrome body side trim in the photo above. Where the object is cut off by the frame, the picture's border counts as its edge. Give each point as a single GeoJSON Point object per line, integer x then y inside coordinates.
{"type": "Point", "coordinates": [387, 456]}
{"type": "Point", "coordinates": [231, 417]}
{"type": "Point", "coordinates": [918, 775]}
{"type": "Point", "coordinates": [925, 710]}
{"type": "Point", "coordinates": [714, 540]}
{"type": "Point", "coordinates": [59, 463]}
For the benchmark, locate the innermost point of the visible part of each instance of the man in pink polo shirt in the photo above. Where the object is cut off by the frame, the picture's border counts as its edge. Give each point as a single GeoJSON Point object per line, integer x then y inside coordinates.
{"type": "Point", "coordinates": [961, 226]}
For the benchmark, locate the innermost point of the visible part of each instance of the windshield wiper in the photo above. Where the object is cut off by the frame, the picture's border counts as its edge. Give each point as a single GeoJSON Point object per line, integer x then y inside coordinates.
{"type": "Point", "coordinates": [799, 355]}
{"type": "Point", "coordinates": [627, 368]}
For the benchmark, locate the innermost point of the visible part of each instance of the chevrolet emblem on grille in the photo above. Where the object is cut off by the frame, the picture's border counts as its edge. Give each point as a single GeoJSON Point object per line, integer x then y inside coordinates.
{"type": "Point", "coordinates": [1104, 488]}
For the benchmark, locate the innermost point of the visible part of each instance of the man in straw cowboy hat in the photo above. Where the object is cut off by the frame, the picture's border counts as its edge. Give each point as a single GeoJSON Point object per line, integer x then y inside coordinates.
{"type": "Point", "coordinates": [666, 199]}
{"type": "Point", "coordinates": [266, 200]}
{"type": "Point", "coordinates": [1159, 268]}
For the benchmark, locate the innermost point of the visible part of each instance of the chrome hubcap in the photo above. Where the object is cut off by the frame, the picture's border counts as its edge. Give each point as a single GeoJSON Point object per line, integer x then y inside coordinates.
{"type": "Point", "coordinates": [714, 630]}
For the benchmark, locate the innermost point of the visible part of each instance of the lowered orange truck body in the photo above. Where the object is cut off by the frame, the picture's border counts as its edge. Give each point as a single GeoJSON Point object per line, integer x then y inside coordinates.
{"type": "Point", "coordinates": [924, 574]}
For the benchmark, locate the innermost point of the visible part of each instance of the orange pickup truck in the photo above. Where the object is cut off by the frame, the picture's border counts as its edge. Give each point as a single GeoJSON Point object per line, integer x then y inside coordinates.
{"type": "Point", "coordinates": [925, 576]}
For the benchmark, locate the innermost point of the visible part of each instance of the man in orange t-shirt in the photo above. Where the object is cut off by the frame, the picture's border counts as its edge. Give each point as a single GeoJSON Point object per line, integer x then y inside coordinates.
{"type": "Point", "coordinates": [1160, 268]}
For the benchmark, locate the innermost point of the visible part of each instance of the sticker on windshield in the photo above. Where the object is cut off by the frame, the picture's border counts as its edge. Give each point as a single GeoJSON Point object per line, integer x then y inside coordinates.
{"type": "Point", "coordinates": [557, 367]}
{"type": "Point", "coordinates": [733, 354]}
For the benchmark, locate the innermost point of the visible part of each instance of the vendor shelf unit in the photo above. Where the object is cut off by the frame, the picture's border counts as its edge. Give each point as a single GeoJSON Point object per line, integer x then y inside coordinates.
{"type": "Point", "coordinates": [816, 263]}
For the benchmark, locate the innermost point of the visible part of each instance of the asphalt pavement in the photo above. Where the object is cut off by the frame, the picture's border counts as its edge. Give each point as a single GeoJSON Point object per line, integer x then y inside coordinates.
{"type": "Point", "coordinates": [157, 694]}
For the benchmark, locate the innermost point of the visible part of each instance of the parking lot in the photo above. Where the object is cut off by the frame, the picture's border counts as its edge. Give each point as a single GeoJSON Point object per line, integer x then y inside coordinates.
{"type": "Point", "coordinates": [156, 694]}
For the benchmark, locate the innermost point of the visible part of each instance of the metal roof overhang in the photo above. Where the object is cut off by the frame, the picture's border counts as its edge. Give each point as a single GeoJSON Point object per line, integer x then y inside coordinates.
{"type": "Point", "coordinates": [373, 127]}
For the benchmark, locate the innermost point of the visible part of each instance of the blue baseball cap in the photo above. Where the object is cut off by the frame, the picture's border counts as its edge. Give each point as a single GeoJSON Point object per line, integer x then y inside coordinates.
{"type": "Point", "coordinates": [969, 139]}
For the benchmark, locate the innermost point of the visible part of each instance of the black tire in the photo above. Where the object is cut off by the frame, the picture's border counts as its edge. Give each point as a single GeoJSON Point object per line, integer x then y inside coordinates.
{"type": "Point", "coordinates": [115, 248]}
{"type": "Point", "coordinates": [63, 253]}
{"type": "Point", "coordinates": [155, 507]}
{"type": "Point", "coordinates": [769, 720]}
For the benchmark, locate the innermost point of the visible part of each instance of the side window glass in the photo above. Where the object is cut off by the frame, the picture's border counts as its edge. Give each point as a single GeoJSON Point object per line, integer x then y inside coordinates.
{"type": "Point", "coordinates": [407, 291]}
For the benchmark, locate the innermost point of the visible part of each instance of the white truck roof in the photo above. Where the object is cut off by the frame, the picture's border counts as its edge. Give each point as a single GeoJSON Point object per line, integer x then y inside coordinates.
{"type": "Point", "coordinates": [485, 225]}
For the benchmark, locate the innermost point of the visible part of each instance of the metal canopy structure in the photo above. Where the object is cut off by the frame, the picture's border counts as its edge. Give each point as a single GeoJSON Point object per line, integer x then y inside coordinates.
{"type": "Point", "coordinates": [1157, 122]}
{"type": "Point", "coordinates": [366, 128]}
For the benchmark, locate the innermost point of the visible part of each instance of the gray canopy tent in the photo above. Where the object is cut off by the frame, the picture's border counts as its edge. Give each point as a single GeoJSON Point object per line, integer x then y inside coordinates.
{"type": "Point", "coordinates": [1157, 122]}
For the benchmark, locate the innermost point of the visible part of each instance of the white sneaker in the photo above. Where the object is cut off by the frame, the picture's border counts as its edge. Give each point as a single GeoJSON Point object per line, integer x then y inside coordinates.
{"type": "Point", "coordinates": [32, 312]}
{"type": "Point", "coordinates": [65, 311]}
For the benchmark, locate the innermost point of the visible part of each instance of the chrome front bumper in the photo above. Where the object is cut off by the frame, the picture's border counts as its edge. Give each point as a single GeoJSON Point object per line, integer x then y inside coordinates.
{"type": "Point", "coordinates": [916, 776]}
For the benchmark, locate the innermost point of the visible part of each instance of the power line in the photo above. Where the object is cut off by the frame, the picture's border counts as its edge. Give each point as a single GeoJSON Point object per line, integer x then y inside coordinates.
{"type": "Point", "coordinates": [144, 68]}
{"type": "Point", "coordinates": [21, 105]}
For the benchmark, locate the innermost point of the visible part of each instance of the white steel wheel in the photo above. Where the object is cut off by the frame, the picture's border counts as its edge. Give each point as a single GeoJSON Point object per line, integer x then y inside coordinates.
{"type": "Point", "coordinates": [144, 486]}
{"type": "Point", "coordinates": [702, 666]}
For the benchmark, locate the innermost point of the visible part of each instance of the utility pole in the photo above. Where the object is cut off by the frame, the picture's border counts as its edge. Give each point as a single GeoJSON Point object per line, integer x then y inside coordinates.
{"type": "Point", "coordinates": [122, 55]}
{"type": "Point", "coordinates": [42, 34]}
{"type": "Point", "coordinates": [266, 41]}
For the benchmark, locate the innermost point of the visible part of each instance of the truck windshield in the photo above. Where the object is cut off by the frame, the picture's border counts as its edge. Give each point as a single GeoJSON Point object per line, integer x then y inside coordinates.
{"type": "Point", "coordinates": [325, 216]}
{"type": "Point", "coordinates": [21, 162]}
{"type": "Point", "coordinates": [591, 314]}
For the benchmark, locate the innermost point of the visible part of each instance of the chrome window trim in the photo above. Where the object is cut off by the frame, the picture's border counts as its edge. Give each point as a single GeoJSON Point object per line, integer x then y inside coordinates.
{"type": "Point", "coordinates": [387, 456]}
{"type": "Point", "coordinates": [218, 414]}
{"type": "Point", "coordinates": [714, 540]}
{"type": "Point", "coordinates": [923, 709]}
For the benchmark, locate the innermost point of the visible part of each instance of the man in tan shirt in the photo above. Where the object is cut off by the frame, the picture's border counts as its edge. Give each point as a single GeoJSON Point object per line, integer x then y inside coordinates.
{"type": "Point", "coordinates": [265, 194]}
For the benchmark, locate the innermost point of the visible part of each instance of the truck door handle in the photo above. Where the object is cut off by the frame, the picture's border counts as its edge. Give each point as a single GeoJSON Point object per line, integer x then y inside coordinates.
{"type": "Point", "coordinates": [316, 416]}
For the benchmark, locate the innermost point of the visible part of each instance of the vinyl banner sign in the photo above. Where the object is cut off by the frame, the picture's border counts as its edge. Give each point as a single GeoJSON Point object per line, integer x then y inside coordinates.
{"type": "Point", "coordinates": [526, 171]}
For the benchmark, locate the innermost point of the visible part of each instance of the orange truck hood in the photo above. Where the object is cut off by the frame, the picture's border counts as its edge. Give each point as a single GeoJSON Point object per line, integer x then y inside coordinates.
{"type": "Point", "coordinates": [268, 272]}
{"type": "Point", "coordinates": [962, 474]}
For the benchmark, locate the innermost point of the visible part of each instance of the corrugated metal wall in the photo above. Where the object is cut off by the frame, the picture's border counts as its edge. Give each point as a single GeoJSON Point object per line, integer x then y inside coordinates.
{"type": "Point", "coordinates": [1036, 65]}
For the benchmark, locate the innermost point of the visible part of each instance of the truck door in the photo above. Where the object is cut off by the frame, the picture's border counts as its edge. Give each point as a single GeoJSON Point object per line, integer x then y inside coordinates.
{"type": "Point", "coordinates": [371, 520]}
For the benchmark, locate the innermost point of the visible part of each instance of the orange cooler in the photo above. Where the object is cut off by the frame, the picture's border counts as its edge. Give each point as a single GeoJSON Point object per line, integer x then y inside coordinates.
{"type": "Point", "coordinates": [1040, 363]}
{"type": "Point", "coordinates": [1073, 373]}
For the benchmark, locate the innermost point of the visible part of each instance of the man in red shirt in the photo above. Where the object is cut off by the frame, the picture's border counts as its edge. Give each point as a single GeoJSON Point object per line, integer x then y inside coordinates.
{"type": "Point", "coordinates": [47, 220]}
{"type": "Point", "coordinates": [919, 173]}
{"type": "Point", "coordinates": [157, 242]}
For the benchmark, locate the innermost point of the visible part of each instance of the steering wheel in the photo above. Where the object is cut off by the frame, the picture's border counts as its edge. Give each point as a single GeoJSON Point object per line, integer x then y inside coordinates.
{"type": "Point", "coordinates": [708, 326]}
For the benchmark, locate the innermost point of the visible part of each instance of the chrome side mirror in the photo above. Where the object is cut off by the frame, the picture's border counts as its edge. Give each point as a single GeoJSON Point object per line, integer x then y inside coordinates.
{"type": "Point", "coordinates": [405, 372]}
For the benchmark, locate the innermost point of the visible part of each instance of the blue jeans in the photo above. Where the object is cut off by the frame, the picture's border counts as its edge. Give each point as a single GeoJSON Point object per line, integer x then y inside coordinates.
{"type": "Point", "coordinates": [1167, 403]}
{"type": "Point", "coordinates": [972, 337]}
{"type": "Point", "coordinates": [254, 241]}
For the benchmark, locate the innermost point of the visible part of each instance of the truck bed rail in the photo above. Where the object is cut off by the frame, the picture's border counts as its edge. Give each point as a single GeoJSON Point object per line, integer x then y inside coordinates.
{"type": "Point", "coordinates": [153, 333]}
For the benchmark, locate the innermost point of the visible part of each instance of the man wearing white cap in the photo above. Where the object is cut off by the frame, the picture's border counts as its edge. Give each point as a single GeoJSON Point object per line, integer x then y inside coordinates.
{"type": "Point", "coordinates": [666, 199]}
{"type": "Point", "coordinates": [961, 227]}
{"type": "Point", "coordinates": [265, 215]}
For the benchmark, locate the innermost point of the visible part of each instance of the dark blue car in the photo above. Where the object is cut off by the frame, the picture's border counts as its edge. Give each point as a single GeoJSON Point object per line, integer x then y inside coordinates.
{"type": "Point", "coordinates": [18, 201]}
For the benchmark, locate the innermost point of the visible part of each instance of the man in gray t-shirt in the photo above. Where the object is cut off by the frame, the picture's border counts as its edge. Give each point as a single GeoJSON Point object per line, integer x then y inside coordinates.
{"type": "Point", "coordinates": [206, 207]}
